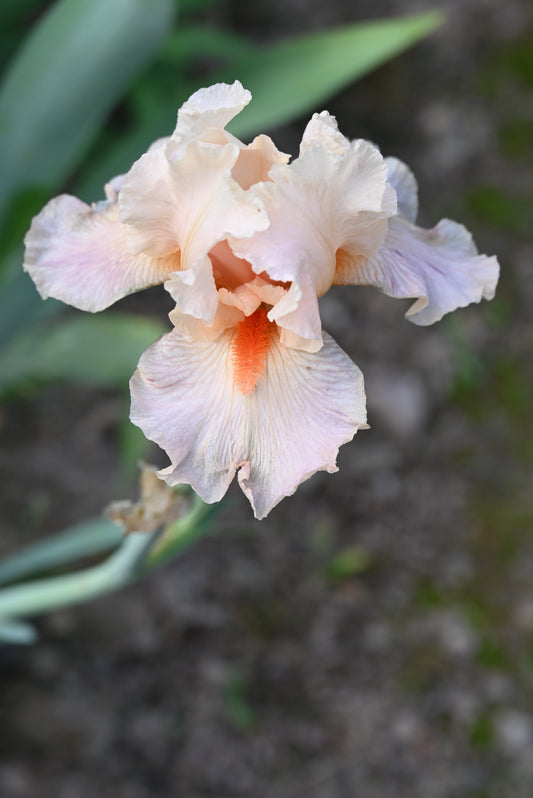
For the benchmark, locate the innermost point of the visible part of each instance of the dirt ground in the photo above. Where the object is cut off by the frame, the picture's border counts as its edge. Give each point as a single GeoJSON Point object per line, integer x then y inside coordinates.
{"type": "Point", "coordinates": [373, 636]}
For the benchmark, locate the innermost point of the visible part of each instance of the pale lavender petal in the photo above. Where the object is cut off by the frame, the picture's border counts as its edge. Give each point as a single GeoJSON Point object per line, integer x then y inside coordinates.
{"type": "Point", "coordinates": [291, 425]}
{"type": "Point", "coordinates": [440, 267]}
{"type": "Point", "coordinates": [404, 183]}
{"type": "Point", "coordinates": [78, 253]}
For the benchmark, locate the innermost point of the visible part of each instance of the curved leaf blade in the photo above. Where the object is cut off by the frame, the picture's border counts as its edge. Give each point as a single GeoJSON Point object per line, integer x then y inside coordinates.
{"type": "Point", "coordinates": [72, 69]}
{"type": "Point", "coordinates": [296, 76]}
{"type": "Point", "coordinates": [99, 350]}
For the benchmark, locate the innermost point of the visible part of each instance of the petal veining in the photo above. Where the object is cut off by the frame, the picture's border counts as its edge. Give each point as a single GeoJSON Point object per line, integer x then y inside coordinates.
{"type": "Point", "coordinates": [211, 108]}
{"type": "Point", "coordinates": [322, 201]}
{"type": "Point", "coordinates": [79, 254]}
{"type": "Point", "coordinates": [189, 204]}
{"type": "Point", "coordinates": [303, 407]}
{"type": "Point", "coordinates": [324, 129]}
{"type": "Point", "coordinates": [404, 183]}
{"type": "Point", "coordinates": [440, 267]}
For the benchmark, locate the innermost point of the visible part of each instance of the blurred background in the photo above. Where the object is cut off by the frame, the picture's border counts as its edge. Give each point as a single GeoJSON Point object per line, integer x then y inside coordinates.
{"type": "Point", "coordinates": [374, 635]}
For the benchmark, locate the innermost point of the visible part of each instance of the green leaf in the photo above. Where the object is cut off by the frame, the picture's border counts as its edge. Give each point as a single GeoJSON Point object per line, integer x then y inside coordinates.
{"type": "Point", "coordinates": [178, 536]}
{"type": "Point", "coordinates": [17, 633]}
{"type": "Point", "coordinates": [43, 595]}
{"type": "Point", "coordinates": [83, 540]}
{"type": "Point", "coordinates": [99, 350]}
{"type": "Point", "coordinates": [70, 72]}
{"type": "Point", "coordinates": [286, 81]}
{"type": "Point", "coordinates": [296, 76]}
{"type": "Point", "coordinates": [189, 43]}
{"type": "Point", "coordinates": [20, 304]}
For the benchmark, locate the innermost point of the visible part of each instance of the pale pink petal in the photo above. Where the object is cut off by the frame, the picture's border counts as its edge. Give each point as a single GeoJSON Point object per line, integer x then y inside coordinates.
{"type": "Point", "coordinates": [440, 266]}
{"type": "Point", "coordinates": [78, 253]}
{"type": "Point", "coordinates": [323, 128]}
{"type": "Point", "coordinates": [187, 205]}
{"type": "Point", "coordinates": [226, 316]}
{"type": "Point", "coordinates": [298, 315]}
{"type": "Point", "coordinates": [290, 426]}
{"type": "Point", "coordinates": [211, 108]}
{"type": "Point", "coordinates": [256, 160]}
{"type": "Point", "coordinates": [194, 290]}
{"type": "Point", "coordinates": [404, 183]}
{"type": "Point", "coordinates": [321, 203]}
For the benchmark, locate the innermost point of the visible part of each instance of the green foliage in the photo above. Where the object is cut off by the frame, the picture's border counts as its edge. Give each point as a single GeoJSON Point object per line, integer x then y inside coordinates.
{"type": "Point", "coordinates": [83, 540]}
{"type": "Point", "coordinates": [71, 71]}
{"type": "Point", "coordinates": [134, 555]}
{"type": "Point", "coordinates": [100, 350]}
{"type": "Point", "coordinates": [286, 80]}
{"type": "Point", "coordinates": [294, 77]}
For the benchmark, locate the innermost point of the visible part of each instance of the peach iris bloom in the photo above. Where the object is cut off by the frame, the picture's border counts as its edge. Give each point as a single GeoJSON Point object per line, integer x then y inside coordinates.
{"type": "Point", "coordinates": [247, 382]}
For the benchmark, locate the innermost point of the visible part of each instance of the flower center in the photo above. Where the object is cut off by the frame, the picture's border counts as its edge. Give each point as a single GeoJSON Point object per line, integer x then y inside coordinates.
{"type": "Point", "coordinates": [249, 349]}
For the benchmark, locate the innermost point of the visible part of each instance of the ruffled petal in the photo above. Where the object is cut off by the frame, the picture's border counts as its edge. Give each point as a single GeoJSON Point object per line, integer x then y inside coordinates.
{"type": "Point", "coordinates": [256, 160]}
{"type": "Point", "coordinates": [324, 129]}
{"type": "Point", "coordinates": [298, 315]}
{"type": "Point", "coordinates": [78, 253]}
{"type": "Point", "coordinates": [404, 183]}
{"type": "Point", "coordinates": [194, 290]}
{"type": "Point", "coordinates": [187, 205]}
{"type": "Point", "coordinates": [211, 108]}
{"type": "Point", "coordinates": [440, 266]}
{"type": "Point", "coordinates": [302, 409]}
{"type": "Point", "coordinates": [321, 203]}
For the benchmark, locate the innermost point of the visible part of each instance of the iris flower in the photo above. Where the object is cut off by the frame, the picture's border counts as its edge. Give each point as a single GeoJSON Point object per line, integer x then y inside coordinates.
{"type": "Point", "coordinates": [247, 381]}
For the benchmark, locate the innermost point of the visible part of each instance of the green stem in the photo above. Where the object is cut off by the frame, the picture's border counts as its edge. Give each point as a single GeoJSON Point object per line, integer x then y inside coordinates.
{"type": "Point", "coordinates": [48, 594]}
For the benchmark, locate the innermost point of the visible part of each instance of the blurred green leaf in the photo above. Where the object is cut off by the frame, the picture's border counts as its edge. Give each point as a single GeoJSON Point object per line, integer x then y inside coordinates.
{"type": "Point", "coordinates": [286, 81]}
{"type": "Point", "coordinates": [72, 69]}
{"type": "Point", "coordinates": [194, 41]}
{"type": "Point", "coordinates": [99, 350]}
{"type": "Point", "coordinates": [83, 540]}
{"type": "Point", "coordinates": [178, 536]}
{"type": "Point", "coordinates": [296, 76]}
{"type": "Point", "coordinates": [187, 7]}
{"type": "Point", "coordinates": [17, 633]}
{"type": "Point", "coordinates": [23, 207]}
{"type": "Point", "coordinates": [133, 446]}
{"type": "Point", "coordinates": [15, 19]}
{"type": "Point", "coordinates": [20, 304]}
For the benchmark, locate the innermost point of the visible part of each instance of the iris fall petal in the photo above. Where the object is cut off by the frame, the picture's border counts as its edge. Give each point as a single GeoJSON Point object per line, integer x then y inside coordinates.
{"type": "Point", "coordinates": [304, 406]}
{"type": "Point", "coordinates": [79, 254]}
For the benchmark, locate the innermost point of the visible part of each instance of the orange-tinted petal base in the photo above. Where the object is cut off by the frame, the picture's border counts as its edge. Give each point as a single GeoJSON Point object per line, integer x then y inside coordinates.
{"type": "Point", "coordinates": [249, 349]}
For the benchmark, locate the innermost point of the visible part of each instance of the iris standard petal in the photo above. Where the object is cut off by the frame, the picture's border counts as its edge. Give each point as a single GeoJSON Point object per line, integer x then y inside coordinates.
{"type": "Point", "coordinates": [320, 203]}
{"type": "Point", "coordinates": [79, 254]}
{"type": "Point", "coordinates": [211, 108]}
{"type": "Point", "coordinates": [186, 397]}
{"type": "Point", "coordinates": [189, 204]}
{"type": "Point", "coordinates": [323, 128]}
